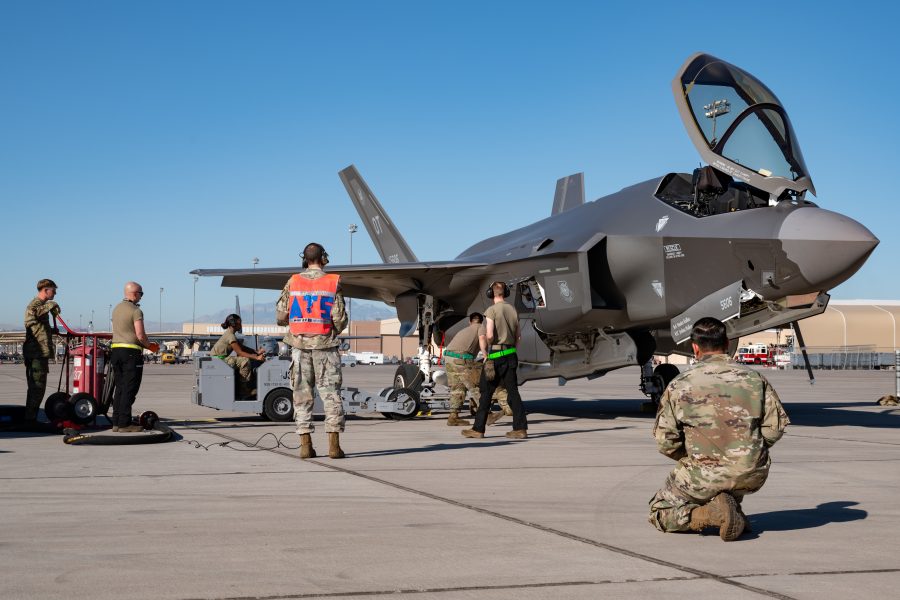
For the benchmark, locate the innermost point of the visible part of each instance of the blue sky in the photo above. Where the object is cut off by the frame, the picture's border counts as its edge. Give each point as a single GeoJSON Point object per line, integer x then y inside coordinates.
{"type": "Point", "coordinates": [142, 140]}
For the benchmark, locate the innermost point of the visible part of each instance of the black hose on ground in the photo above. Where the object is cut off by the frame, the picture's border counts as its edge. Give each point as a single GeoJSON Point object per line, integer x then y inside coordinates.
{"type": "Point", "coordinates": [159, 433]}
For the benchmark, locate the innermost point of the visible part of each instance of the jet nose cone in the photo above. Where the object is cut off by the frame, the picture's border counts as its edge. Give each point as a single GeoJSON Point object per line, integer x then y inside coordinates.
{"type": "Point", "coordinates": [827, 247]}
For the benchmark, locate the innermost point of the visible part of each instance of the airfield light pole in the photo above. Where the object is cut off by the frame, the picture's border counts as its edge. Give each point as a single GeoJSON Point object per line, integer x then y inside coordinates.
{"type": "Point", "coordinates": [253, 310]}
{"type": "Point", "coordinates": [194, 312]}
{"type": "Point", "coordinates": [91, 322]}
{"type": "Point", "coordinates": [160, 309]}
{"type": "Point", "coordinates": [109, 317]}
{"type": "Point", "coordinates": [352, 229]}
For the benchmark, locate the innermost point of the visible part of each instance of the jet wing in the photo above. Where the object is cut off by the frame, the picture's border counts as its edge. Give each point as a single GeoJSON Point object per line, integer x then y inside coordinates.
{"type": "Point", "coordinates": [371, 282]}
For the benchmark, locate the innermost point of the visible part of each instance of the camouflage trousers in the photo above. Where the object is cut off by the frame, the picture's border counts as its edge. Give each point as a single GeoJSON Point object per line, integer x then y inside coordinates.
{"type": "Point", "coordinates": [688, 487]}
{"type": "Point", "coordinates": [462, 377]}
{"type": "Point", "coordinates": [36, 375]}
{"type": "Point", "coordinates": [242, 365]}
{"type": "Point", "coordinates": [322, 369]}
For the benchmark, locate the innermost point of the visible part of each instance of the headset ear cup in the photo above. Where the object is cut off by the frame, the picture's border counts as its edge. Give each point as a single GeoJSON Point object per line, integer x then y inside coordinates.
{"type": "Point", "coordinates": [505, 290]}
{"type": "Point", "coordinates": [489, 292]}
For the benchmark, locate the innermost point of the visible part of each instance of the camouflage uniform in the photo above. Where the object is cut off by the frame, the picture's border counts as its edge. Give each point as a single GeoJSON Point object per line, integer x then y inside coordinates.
{"type": "Point", "coordinates": [315, 361]}
{"type": "Point", "coordinates": [37, 350]}
{"type": "Point", "coordinates": [460, 381]}
{"type": "Point", "coordinates": [718, 421]}
{"type": "Point", "coordinates": [463, 375]}
{"type": "Point", "coordinates": [499, 393]}
{"type": "Point", "coordinates": [222, 349]}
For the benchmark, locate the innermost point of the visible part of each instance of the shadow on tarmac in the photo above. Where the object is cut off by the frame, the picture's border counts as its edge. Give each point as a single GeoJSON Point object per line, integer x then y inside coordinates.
{"type": "Point", "coordinates": [832, 414]}
{"type": "Point", "coordinates": [588, 409]}
{"type": "Point", "coordinates": [487, 443]}
{"type": "Point", "coordinates": [805, 518]}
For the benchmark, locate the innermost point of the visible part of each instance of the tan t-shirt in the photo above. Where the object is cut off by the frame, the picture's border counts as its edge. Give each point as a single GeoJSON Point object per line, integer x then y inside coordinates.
{"type": "Point", "coordinates": [506, 322]}
{"type": "Point", "coordinates": [123, 317]}
{"type": "Point", "coordinates": [466, 341]}
{"type": "Point", "coordinates": [223, 346]}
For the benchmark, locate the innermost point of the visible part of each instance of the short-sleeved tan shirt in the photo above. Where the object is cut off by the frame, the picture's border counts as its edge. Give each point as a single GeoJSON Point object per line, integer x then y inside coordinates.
{"type": "Point", "coordinates": [466, 341]}
{"type": "Point", "coordinates": [223, 346]}
{"type": "Point", "coordinates": [123, 317]}
{"type": "Point", "coordinates": [506, 323]}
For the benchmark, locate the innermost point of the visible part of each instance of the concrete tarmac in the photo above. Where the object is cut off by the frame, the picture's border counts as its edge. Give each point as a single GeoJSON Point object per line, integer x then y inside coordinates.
{"type": "Point", "coordinates": [417, 510]}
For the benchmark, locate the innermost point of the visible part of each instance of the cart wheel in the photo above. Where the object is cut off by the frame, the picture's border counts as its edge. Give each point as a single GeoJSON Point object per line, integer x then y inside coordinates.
{"type": "Point", "coordinates": [57, 407]}
{"type": "Point", "coordinates": [279, 405]}
{"type": "Point", "coordinates": [148, 419]}
{"type": "Point", "coordinates": [83, 407]}
{"type": "Point", "coordinates": [109, 387]}
{"type": "Point", "coordinates": [410, 404]}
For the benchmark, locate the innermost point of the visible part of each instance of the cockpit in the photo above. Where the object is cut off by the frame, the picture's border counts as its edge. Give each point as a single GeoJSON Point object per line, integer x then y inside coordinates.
{"type": "Point", "coordinates": [743, 133]}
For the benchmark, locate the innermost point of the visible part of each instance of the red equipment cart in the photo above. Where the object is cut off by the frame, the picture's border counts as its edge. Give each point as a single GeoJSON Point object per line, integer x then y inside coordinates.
{"type": "Point", "coordinates": [91, 379]}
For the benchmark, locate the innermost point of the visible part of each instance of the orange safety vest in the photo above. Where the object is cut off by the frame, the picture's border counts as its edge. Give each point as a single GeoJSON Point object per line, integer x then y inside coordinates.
{"type": "Point", "coordinates": [311, 303]}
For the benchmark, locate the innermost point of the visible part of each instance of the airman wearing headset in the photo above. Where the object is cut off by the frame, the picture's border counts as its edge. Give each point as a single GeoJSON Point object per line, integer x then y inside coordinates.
{"type": "Point", "coordinates": [240, 362]}
{"type": "Point", "coordinates": [312, 305]}
{"type": "Point", "coordinates": [499, 348]}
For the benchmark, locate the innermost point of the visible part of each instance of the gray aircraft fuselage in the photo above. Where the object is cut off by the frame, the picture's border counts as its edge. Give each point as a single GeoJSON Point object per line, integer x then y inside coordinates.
{"type": "Point", "coordinates": [605, 284]}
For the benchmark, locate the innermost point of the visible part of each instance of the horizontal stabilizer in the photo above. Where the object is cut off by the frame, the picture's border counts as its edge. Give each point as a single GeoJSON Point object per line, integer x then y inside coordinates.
{"type": "Point", "coordinates": [390, 244]}
{"type": "Point", "coordinates": [569, 193]}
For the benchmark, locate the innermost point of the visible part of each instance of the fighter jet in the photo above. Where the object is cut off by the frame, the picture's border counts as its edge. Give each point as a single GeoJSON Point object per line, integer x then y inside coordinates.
{"type": "Point", "coordinates": [606, 284]}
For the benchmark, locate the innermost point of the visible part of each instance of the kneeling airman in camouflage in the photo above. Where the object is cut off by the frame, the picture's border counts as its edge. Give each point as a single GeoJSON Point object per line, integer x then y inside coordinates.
{"type": "Point", "coordinates": [312, 305]}
{"type": "Point", "coordinates": [718, 420]}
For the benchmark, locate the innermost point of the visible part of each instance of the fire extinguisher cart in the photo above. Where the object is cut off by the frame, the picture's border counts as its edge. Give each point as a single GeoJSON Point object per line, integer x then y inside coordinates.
{"type": "Point", "coordinates": [89, 379]}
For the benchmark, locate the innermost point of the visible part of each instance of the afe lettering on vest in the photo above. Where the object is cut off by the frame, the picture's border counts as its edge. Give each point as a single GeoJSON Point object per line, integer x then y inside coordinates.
{"type": "Point", "coordinates": [311, 304]}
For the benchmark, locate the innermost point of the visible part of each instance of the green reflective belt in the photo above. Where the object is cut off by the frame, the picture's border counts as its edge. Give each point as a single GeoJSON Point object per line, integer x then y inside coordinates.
{"type": "Point", "coordinates": [132, 346]}
{"type": "Point", "coordinates": [462, 355]}
{"type": "Point", "coordinates": [223, 356]}
{"type": "Point", "coordinates": [500, 353]}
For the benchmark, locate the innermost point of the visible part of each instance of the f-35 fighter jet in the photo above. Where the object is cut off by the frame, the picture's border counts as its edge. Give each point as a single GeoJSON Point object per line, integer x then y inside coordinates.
{"type": "Point", "coordinates": [606, 284]}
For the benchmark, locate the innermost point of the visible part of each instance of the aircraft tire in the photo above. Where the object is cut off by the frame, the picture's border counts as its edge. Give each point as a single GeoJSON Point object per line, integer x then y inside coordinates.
{"type": "Point", "coordinates": [408, 376]}
{"type": "Point", "coordinates": [666, 373]}
{"type": "Point", "coordinates": [279, 405]}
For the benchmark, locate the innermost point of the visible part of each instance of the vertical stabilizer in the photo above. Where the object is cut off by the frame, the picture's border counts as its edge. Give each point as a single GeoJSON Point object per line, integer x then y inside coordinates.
{"type": "Point", "coordinates": [390, 244]}
{"type": "Point", "coordinates": [237, 305]}
{"type": "Point", "coordinates": [569, 193]}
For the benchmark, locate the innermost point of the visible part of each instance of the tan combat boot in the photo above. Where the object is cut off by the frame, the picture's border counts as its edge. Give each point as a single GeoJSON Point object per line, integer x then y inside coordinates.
{"type": "Point", "coordinates": [471, 433]}
{"type": "Point", "coordinates": [517, 434]}
{"type": "Point", "coordinates": [722, 512]}
{"type": "Point", "coordinates": [306, 447]}
{"type": "Point", "coordinates": [454, 419]}
{"type": "Point", "coordinates": [334, 445]}
{"type": "Point", "coordinates": [494, 417]}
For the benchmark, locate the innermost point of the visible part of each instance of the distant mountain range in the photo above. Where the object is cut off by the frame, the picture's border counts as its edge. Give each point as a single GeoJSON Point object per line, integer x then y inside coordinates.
{"type": "Point", "coordinates": [362, 310]}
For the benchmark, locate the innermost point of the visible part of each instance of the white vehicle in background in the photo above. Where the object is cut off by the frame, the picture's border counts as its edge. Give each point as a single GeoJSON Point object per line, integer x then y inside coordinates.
{"type": "Point", "coordinates": [370, 358]}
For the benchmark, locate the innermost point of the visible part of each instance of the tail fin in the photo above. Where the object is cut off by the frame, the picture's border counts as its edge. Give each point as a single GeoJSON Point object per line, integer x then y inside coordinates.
{"type": "Point", "coordinates": [237, 305]}
{"type": "Point", "coordinates": [569, 193]}
{"type": "Point", "coordinates": [390, 244]}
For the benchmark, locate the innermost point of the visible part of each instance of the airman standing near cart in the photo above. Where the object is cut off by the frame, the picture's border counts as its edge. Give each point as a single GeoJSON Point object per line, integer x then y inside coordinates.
{"type": "Point", "coordinates": [126, 355]}
{"type": "Point", "coordinates": [38, 346]}
{"type": "Point", "coordinates": [312, 305]}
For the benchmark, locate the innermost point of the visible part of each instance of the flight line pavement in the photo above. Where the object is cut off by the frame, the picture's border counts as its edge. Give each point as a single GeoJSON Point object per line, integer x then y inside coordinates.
{"type": "Point", "coordinates": [417, 510]}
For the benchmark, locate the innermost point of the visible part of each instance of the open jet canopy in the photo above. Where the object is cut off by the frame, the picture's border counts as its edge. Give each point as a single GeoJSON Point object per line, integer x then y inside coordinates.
{"type": "Point", "coordinates": [739, 126]}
